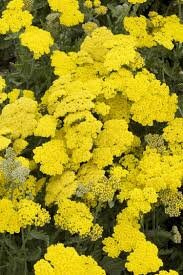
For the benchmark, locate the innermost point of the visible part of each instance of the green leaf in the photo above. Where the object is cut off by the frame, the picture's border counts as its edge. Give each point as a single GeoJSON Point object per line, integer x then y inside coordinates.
{"type": "Point", "coordinates": [38, 235]}
{"type": "Point", "coordinates": [34, 255]}
{"type": "Point", "coordinates": [112, 266]}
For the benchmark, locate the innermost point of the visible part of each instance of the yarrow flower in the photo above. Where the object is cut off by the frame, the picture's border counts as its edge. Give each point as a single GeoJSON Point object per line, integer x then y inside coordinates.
{"type": "Point", "coordinates": [63, 260]}
{"type": "Point", "coordinates": [69, 9]}
{"type": "Point", "coordinates": [52, 156]}
{"type": "Point", "coordinates": [74, 217]}
{"type": "Point", "coordinates": [37, 40]}
{"type": "Point", "coordinates": [17, 215]}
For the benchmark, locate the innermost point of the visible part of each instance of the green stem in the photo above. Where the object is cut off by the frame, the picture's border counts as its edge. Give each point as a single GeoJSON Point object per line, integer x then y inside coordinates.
{"type": "Point", "coordinates": [154, 220]}
{"type": "Point", "coordinates": [135, 9]}
{"type": "Point", "coordinates": [180, 9]}
{"type": "Point", "coordinates": [180, 111]}
{"type": "Point", "coordinates": [24, 251]}
{"type": "Point", "coordinates": [98, 208]}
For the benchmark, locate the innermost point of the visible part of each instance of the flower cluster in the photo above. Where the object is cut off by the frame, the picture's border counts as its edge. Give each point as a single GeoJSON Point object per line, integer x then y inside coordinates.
{"type": "Point", "coordinates": [60, 260]}
{"type": "Point", "coordinates": [29, 39]}
{"type": "Point", "coordinates": [156, 29]}
{"type": "Point", "coordinates": [15, 216]}
{"type": "Point", "coordinates": [69, 10]}
{"type": "Point", "coordinates": [74, 217]}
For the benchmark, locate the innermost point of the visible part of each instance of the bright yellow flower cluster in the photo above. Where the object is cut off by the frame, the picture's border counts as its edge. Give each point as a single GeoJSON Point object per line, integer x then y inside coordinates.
{"type": "Point", "coordinates": [144, 259]}
{"type": "Point", "coordinates": [31, 213]}
{"type": "Point", "coordinates": [99, 9]}
{"type": "Point", "coordinates": [127, 223]}
{"type": "Point", "coordinates": [156, 29]}
{"type": "Point", "coordinates": [9, 217]}
{"type": "Point", "coordinates": [52, 156]}
{"type": "Point", "coordinates": [37, 40]}
{"type": "Point", "coordinates": [59, 187]}
{"type": "Point", "coordinates": [46, 126]}
{"type": "Point", "coordinates": [20, 117]}
{"type": "Point", "coordinates": [74, 217]}
{"type": "Point", "coordinates": [16, 93]}
{"type": "Point", "coordinates": [3, 95]}
{"type": "Point", "coordinates": [17, 215]}
{"type": "Point", "coordinates": [19, 145]}
{"type": "Point", "coordinates": [174, 136]}
{"type": "Point", "coordinates": [112, 141]}
{"type": "Point", "coordinates": [65, 260]}
{"type": "Point", "coordinates": [69, 10]}
{"type": "Point", "coordinates": [14, 18]}
{"type": "Point", "coordinates": [152, 100]}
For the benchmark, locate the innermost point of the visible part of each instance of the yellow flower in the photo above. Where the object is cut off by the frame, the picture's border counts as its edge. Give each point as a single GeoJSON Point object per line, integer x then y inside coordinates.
{"type": "Point", "coordinates": [20, 117]}
{"type": "Point", "coordinates": [19, 145]}
{"type": "Point", "coordinates": [46, 126]}
{"type": "Point", "coordinates": [37, 40]}
{"type": "Point", "coordinates": [144, 259]}
{"type": "Point", "coordinates": [52, 157]}
{"type": "Point", "coordinates": [4, 142]}
{"type": "Point", "coordinates": [112, 141]}
{"type": "Point", "coordinates": [101, 10]}
{"type": "Point", "coordinates": [74, 217]}
{"type": "Point", "coordinates": [14, 18]}
{"type": "Point", "coordinates": [31, 213]}
{"type": "Point", "coordinates": [63, 260]}
{"type": "Point", "coordinates": [9, 217]}
{"type": "Point", "coordinates": [89, 26]}
{"type": "Point", "coordinates": [69, 9]}
{"type": "Point", "coordinates": [61, 187]}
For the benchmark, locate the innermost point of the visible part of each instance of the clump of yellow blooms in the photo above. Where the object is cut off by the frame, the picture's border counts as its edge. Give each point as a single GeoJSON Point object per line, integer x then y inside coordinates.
{"type": "Point", "coordinates": [59, 187]}
{"type": "Point", "coordinates": [9, 217]}
{"type": "Point", "coordinates": [52, 156]}
{"type": "Point", "coordinates": [97, 6]}
{"type": "Point", "coordinates": [20, 117]}
{"type": "Point", "coordinates": [65, 260]}
{"type": "Point", "coordinates": [19, 145]}
{"type": "Point", "coordinates": [17, 215]}
{"type": "Point", "coordinates": [74, 217]}
{"type": "Point", "coordinates": [156, 29]}
{"type": "Point", "coordinates": [16, 93]}
{"type": "Point", "coordinates": [3, 95]}
{"type": "Point", "coordinates": [89, 27]}
{"type": "Point", "coordinates": [127, 221]}
{"type": "Point", "coordinates": [14, 18]}
{"type": "Point", "coordinates": [70, 14]}
{"type": "Point", "coordinates": [31, 213]}
{"type": "Point", "coordinates": [173, 135]}
{"type": "Point", "coordinates": [115, 139]}
{"type": "Point", "coordinates": [46, 126]}
{"type": "Point", "coordinates": [151, 99]}
{"type": "Point", "coordinates": [36, 40]}
{"type": "Point", "coordinates": [137, 264]}
{"type": "Point", "coordinates": [96, 232]}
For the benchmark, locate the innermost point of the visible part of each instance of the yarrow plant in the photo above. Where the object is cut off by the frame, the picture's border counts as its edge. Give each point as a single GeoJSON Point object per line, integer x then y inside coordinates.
{"type": "Point", "coordinates": [91, 137]}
